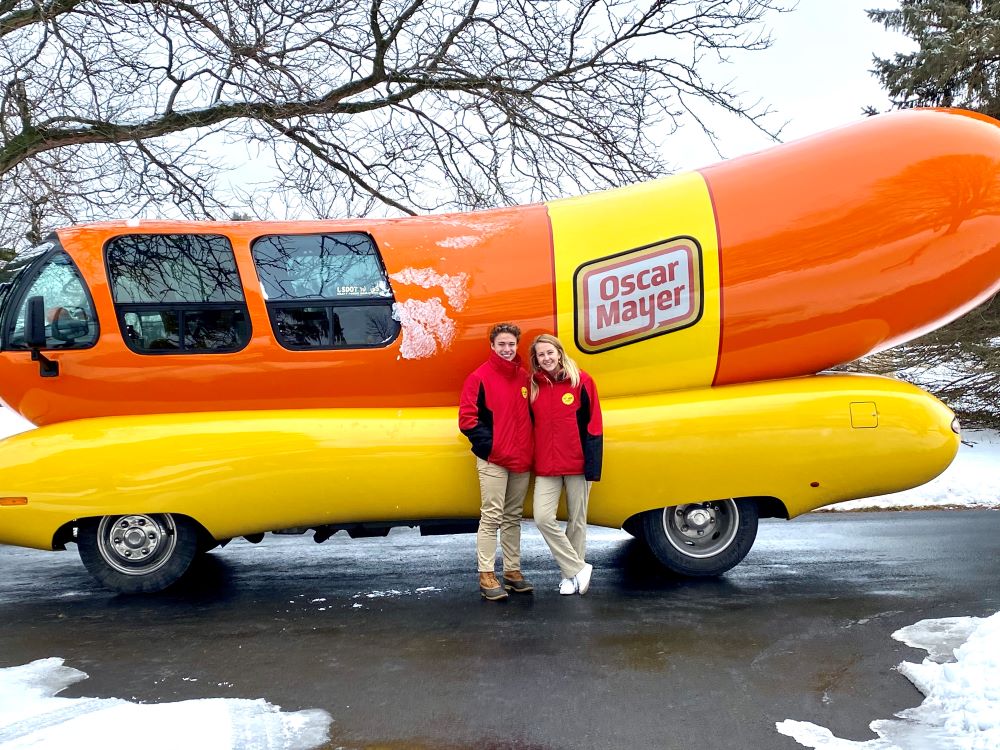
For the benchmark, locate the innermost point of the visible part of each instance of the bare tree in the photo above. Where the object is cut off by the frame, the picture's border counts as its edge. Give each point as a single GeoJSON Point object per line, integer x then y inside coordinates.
{"type": "Point", "coordinates": [398, 106]}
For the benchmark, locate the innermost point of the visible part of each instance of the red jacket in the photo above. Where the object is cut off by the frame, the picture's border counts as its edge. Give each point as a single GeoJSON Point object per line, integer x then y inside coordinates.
{"type": "Point", "coordinates": [569, 434]}
{"type": "Point", "coordinates": [493, 413]}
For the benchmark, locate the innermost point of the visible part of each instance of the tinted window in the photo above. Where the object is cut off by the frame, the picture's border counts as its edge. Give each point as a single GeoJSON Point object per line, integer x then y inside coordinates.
{"type": "Point", "coordinates": [70, 321]}
{"type": "Point", "coordinates": [203, 330]}
{"type": "Point", "coordinates": [320, 266]}
{"type": "Point", "coordinates": [325, 291]}
{"type": "Point", "coordinates": [177, 293]}
{"type": "Point", "coordinates": [146, 268]}
{"type": "Point", "coordinates": [351, 326]}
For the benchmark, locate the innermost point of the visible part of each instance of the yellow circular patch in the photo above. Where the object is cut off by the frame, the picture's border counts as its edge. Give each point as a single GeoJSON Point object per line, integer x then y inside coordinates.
{"type": "Point", "coordinates": [524, 392]}
{"type": "Point", "coordinates": [568, 398]}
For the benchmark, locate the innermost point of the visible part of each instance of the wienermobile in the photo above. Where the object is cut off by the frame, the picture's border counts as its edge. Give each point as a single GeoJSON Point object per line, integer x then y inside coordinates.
{"type": "Point", "coordinates": [197, 382]}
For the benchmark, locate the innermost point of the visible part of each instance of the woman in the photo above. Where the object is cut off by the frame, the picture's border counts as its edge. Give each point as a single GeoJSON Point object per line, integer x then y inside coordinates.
{"type": "Point", "coordinates": [569, 447]}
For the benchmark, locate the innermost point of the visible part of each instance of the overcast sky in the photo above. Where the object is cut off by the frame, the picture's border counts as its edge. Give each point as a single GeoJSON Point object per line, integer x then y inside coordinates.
{"type": "Point", "coordinates": [815, 76]}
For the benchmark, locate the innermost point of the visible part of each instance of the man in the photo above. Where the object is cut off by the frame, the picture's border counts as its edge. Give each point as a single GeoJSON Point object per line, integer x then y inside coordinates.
{"type": "Point", "coordinates": [493, 414]}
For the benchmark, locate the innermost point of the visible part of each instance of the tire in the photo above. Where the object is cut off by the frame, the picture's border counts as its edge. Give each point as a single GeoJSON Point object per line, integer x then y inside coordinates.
{"type": "Point", "coordinates": [701, 539]}
{"type": "Point", "coordinates": [137, 554]}
{"type": "Point", "coordinates": [633, 526]}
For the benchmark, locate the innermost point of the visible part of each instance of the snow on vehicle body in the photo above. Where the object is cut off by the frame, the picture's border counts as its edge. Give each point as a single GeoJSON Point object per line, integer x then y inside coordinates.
{"type": "Point", "coordinates": [194, 382]}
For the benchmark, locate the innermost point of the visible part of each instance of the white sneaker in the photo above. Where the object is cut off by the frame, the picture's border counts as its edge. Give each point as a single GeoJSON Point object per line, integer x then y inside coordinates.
{"type": "Point", "coordinates": [582, 579]}
{"type": "Point", "coordinates": [567, 586]}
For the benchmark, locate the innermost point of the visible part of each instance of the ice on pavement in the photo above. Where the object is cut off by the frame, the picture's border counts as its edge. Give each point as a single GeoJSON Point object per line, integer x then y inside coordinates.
{"type": "Point", "coordinates": [33, 716]}
{"type": "Point", "coordinates": [961, 708]}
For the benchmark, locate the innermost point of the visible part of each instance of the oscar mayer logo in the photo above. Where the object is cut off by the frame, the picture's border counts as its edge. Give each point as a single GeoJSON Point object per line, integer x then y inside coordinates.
{"type": "Point", "coordinates": [638, 294]}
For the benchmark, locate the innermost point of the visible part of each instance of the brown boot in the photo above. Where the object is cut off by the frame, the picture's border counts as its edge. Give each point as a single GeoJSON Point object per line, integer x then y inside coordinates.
{"type": "Point", "coordinates": [514, 581]}
{"type": "Point", "coordinates": [490, 587]}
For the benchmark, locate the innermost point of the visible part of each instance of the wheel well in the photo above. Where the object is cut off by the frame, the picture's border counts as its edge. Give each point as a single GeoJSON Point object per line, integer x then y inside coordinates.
{"type": "Point", "coordinates": [767, 507]}
{"type": "Point", "coordinates": [67, 532]}
{"type": "Point", "coordinates": [64, 534]}
{"type": "Point", "coordinates": [771, 507]}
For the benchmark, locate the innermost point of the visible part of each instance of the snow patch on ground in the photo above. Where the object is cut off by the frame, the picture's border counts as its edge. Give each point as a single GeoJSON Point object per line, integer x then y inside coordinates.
{"type": "Point", "coordinates": [12, 423]}
{"type": "Point", "coordinates": [972, 480]}
{"type": "Point", "coordinates": [960, 679]}
{"type": "Point", "coordinates": [32, 716]}
{"type": "Point", "coordinates": [394, 593]}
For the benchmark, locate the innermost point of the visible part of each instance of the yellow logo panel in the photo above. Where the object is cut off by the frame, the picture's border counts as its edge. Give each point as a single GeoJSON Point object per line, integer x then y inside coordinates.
{"type": "Point", "coordinates": [631, 265]}
{"type": "Point", "coordinates": [568, 399]}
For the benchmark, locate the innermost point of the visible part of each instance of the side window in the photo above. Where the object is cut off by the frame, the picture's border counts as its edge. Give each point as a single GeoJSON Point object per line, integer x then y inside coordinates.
{"type": "Point", "coordinates": [70, 320]}
{"type": "Point", "coordinates": [325, 291]}
{"type": "Point", "coordinates": [177, 293]}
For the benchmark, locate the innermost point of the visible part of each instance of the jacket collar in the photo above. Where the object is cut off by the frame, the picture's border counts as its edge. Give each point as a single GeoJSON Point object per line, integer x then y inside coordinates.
{"type": "Point", "coordinates": [501, 365]}
{"type": "Point", "coordinates": [541, 377]}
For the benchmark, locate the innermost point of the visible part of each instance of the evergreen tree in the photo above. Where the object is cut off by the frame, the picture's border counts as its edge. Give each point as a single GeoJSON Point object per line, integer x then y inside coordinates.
{"type": "Point", "coordinates": [957, 63]}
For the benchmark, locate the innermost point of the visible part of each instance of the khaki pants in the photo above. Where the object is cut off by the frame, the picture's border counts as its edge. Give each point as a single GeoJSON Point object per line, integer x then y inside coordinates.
{"type": "Point", "coordinates": [502, 493]}
{"type": "Point", "coordinates": [569, 547]}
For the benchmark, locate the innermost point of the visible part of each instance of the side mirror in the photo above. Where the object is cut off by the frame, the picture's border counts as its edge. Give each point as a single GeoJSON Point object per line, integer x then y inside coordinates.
{"type": "Point", "coordinates": [66, 326]}
{"type": "Point", "coordinates": [34, 336]}
{"type": "Point", "coordinates": [34, 323]}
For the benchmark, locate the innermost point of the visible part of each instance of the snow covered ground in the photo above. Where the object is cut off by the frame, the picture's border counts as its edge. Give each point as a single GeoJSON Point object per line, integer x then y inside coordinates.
{"type": "Point", "coordinates": [32, 716]}
{"type": "Point", "coordinates": [961, 681]}
{"type": "Point", "coordinates": [960, 678]}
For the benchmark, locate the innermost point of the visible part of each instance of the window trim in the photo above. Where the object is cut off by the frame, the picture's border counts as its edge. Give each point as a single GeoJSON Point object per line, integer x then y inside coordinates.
{"type": "Point", "coordinates": [326, 302]}
{"type": "Point", "coordinates": [330, 305]}
{"type": "Point", "coordinates": [180, 308]}
{"type": "Point", "coordinates": [121, 308]}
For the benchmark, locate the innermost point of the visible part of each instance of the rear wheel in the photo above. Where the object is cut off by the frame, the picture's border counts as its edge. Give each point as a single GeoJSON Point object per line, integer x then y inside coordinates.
{"type": "Point", "coordinates": [137, 553]}
{"type": "Point", "coordinates": [701, 539]}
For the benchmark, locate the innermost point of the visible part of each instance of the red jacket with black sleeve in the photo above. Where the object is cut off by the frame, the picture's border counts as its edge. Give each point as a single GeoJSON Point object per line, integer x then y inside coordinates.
{"type": "Point", "coordinates": [569, 433]}
{"type": "Point", "coordinates": [493, 413]}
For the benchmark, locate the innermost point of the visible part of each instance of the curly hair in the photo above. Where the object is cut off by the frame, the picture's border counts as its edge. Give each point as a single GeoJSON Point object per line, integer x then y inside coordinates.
{"type": "Point", "coordinates": [510, 328]}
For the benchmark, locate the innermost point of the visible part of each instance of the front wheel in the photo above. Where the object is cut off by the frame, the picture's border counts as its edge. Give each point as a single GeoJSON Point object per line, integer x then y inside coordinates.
{"type": "Point", "coordinates": [701, 539]}
{"type": "Point", "coordinates": [137, 553]}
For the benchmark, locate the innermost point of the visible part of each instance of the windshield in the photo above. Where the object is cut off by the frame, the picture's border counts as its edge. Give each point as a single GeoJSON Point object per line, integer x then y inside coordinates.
{"type": "Point", "coordinates": [48, 272]}
{"type": "Point", "coordinates": [15, 269]}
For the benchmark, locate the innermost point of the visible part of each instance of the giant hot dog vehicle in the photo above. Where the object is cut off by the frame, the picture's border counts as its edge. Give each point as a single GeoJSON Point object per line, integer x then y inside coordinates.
{"type": "Point", "coordinates": [197, 382]}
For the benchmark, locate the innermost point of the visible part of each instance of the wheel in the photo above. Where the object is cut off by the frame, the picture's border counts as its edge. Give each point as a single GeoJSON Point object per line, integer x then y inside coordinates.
{"type": "Point", "coordinates": [701, 539]}
{"type": "Point", "coordinates": [137, 553]}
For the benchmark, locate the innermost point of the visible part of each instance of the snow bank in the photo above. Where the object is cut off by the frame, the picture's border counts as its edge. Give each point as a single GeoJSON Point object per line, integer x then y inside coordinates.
{"type": "Point", "coordinates": [961, 710]}
{"type": "Point", "coordinates": [31, 716]}
{"type": "Point", "coordinates": [12, 423]}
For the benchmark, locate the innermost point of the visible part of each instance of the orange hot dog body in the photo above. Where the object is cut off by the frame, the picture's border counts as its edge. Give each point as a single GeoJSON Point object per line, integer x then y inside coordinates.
{"type": "Point", "coordinates": [820, 251]}
{"type": "Point", "coordinates": [854, 240]}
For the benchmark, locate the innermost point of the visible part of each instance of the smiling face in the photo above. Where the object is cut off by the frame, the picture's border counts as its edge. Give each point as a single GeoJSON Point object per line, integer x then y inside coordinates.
{"type": "Point", "coordinates": [505, 345]}
{"type": "Point", "coordinates": [548, 357]}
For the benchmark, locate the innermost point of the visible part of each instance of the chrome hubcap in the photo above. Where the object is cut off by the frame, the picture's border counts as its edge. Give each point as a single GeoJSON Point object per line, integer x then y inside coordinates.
{"type": "Point", "coordinates": [701, 529]}
{"type": "Point", "coordinates": [136, 545]}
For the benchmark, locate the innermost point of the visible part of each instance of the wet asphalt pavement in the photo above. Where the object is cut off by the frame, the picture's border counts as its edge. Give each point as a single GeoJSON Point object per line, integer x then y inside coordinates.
{"type": "Point", "coordinates": [390, 637]}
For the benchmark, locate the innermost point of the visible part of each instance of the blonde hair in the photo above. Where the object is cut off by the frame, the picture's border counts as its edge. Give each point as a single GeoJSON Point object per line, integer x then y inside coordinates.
{"type": "Point", "coordinates": [568, 367]}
